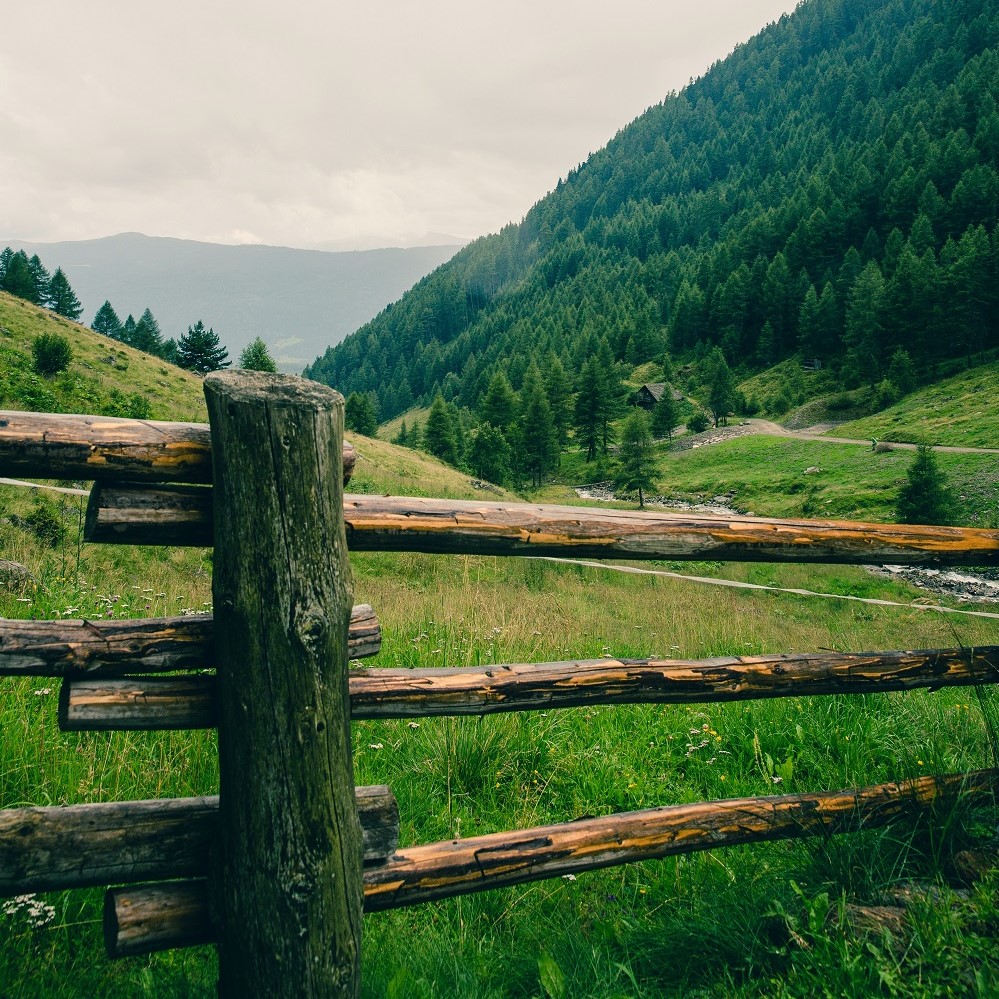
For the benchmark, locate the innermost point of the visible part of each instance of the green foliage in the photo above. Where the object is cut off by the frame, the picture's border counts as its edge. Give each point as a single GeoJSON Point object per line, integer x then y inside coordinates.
{"type": "Point", "coordinates": [665, 415]}
{"type": "Point", "coordinates": [441, 433]}
{"type": "Point", "coordinates": [61, 298]}
{"type": "Point", "coordinates": [925, 497]}
{"type": "Point", "coordinates": [829, 191]}
{"type": "Point", "coordinates": [697, 422]}
{"type": "Point", "coordinates": [52, 353]}
{"type": "Point", "coordinates": [637, 464]}
{"type": "Point", "coordinates": [256, 357]}
{"type": "Point", "coordinates": [199, 350]}
{"type": "Point", "coordinates": [106, 321]}
{"type": "Point", "coordinates": [360, 415]}
{"type": "Point", "coordinates": [719, 383]}
{"type": "Point", "coordinates": [489, 454]}
{"type": "Point", "coordinates": [45, 523]}
{"type": "Point", "coordinates": [538, 436]}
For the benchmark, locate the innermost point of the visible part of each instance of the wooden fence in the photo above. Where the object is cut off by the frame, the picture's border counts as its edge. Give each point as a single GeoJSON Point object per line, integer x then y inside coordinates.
{"type": "Point", "coordinates": [278, 868]}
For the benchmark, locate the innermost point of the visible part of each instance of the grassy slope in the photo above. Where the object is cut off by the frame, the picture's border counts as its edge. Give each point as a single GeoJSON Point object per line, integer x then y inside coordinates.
{"type": "Point", "coordinates": [959, 411]}
{"type": "Point", "coordinates": [100, 367]}
{"type": "Point", "coordinates": [665, 928]}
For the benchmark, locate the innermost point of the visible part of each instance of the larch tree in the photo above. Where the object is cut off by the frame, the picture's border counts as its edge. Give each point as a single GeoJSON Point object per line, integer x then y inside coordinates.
{"type": "Point", "coordinates": [637, 463]}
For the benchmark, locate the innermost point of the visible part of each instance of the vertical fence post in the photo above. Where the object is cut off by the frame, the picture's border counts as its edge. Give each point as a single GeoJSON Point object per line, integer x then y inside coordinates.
{"type": "Point", "coordinates": [288, 887]}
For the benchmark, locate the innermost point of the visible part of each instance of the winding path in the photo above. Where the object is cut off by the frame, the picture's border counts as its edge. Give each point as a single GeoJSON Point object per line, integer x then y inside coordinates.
{"type": "Point", "coordinates": [757, 426]}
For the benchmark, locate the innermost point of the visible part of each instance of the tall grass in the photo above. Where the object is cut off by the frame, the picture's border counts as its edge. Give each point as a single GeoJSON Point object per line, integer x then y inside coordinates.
{"type": "Point", "coordinates": [746, 921]}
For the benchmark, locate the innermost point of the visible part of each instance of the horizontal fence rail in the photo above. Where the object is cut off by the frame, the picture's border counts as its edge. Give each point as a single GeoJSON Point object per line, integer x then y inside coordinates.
{"type": "Point", "coordinates": [75, 846]}
{"type": "Point", "coordinates": [190, 702]}
{"type": "Point", "coordinates": [62, 446]}
{"type": "Point", "coordinates": [107, 647]}
{"type": "Point", "coordinates": [128, 514]}
{"type": "Point", "coordinates": [144, 918]}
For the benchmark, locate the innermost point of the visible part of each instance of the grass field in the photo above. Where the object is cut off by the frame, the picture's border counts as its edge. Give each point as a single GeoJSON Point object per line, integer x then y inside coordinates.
{"type": "Point", "coordinates": [772, 919]}
{"type": "Point", "coordinates": [959, 411]}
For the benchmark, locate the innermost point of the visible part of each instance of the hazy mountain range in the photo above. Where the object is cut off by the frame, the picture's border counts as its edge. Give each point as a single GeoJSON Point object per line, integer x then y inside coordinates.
{"type": "Point", "coordinates": [298, 301]}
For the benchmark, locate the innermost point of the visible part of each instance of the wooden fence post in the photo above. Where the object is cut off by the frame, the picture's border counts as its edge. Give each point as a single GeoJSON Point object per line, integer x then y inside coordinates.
{"type": "Point", "coordinates": [288, 892]}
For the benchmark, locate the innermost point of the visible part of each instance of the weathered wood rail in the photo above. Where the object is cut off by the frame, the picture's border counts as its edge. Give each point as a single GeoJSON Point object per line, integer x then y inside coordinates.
{"type": "Point", "coordinates": [65, 446]}
{"type": "Point", "coordinates": [107, 647]}
{"type": "Point", "coordinates": [123, 513]}
{"type": "Point", "coordinates": [277, 869]}
{"type": "Point", "coordinates": [152, 703]}
{"type": "Point", "coordinates": [419, 874]}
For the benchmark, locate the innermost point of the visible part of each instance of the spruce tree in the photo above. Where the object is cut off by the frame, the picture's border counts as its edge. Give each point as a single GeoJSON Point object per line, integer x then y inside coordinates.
{"type": "Point", "coordinates": [537, 428]}
{"type": "Point", "coordinates": [256, 357]}
{"type": "Point", "coordinates": [199, 350]}
{"type": "Point", "coordinates": [665, 415]}
{"type": "Point", "coordinates": [925, 497]}
{"type": "Point", "coordinates": [146, 335]}
{"type": "Point", "coordinates": [61, 298]}
{"type": "Point", "coordinates": [489, 454]}
{"type": "Point", "coordinates": [360, 415]}
{"type": "Point", "coordinates": [439, 436]}
{"type": "Point", "coordinates": [106, 321]}
{"type": "Point", "coordinates": [637, 465]}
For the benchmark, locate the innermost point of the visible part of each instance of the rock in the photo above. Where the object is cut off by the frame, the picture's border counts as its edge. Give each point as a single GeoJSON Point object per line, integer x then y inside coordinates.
{"type": "Point", "coordinates": [15, 576]}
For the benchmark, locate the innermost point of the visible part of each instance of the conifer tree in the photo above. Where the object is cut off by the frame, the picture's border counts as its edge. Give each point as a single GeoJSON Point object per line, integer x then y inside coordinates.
{"type": "Point", "coordinates": [498, 406]}
{"type": "Point", "coordinates": [256, 357]}
{"type": "Point", "coordinates": [924, 498]}
{"type": "Point", "coordinates": [537, 428]}
{"type": "Point", "coordinates": [637, 465]}
{"type": "Point", "coordinates": [106, 321]}
{"type": "Point", "coordinates": [146, 335]}
{"type": "Point", "coordinates": [665, 415]}
{"type": "Point", "coordinates": [439, 436]}
{"type": "Point", "coordinates": [199, 350]}
{"type": "Point", "coordinates": [489, 454]}
{"type": "Point", "coordinates": [61, 298]}
{"type": "Point", "coordinates": [360, 415]}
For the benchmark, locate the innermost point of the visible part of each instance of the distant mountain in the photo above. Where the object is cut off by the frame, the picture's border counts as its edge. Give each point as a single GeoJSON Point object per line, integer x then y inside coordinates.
{"type": "Point", "coordinates": [298, 301]}
{"type": "Point", "coordinates": [830, 190]}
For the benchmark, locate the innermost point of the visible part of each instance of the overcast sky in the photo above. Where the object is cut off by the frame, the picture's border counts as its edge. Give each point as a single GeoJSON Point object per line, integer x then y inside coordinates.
{"type": "Point", "coordinates": [326, 124]}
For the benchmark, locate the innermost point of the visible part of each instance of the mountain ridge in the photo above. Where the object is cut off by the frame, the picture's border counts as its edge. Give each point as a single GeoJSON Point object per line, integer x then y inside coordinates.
{"type": "Point", "coordinates": [298, 301]}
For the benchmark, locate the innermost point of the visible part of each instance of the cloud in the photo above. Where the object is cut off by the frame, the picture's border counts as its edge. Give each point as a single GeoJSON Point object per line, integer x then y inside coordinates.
{"type": "Point", "coordinates": [304, 123]}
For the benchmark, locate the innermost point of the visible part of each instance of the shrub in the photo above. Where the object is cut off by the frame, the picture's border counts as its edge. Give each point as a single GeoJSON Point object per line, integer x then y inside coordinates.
{"type": "Point", "coordinates": [45, 523]}
{"type": "Point", "coordinates": [52, 353]}
{"type": "Point", "coordinates": [697, 423]}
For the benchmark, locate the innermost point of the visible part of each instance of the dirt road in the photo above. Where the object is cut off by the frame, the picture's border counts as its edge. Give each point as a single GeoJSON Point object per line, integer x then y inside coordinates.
{"type": "Point", "coordinates": [757, 426]}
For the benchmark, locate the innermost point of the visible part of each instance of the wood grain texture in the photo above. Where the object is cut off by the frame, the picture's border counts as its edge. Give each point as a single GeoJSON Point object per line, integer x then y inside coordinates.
{"type": "Point", "coordinates": [458, 867]}
{"type": "Point", "coordinates": [288, 887]}
{"type": "Point", "coordinates": [108, 647]}
{"type": "Point", "coordinates": [151, 703]}
{"type": "Point", "coordinates": [391, 523]}
{"type": "Point", "coordinates": [74, 846]}
{"type": "Point", "coordinates": [64, 446]}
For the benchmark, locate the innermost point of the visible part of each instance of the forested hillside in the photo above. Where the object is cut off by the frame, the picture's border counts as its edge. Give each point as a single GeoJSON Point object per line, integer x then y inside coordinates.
{"type": "Point", "coordinates": [830, 190]}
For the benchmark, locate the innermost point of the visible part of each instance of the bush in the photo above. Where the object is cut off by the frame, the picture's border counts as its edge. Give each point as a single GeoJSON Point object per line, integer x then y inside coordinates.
{"type": "Point", "coordinates": [52, 353]}
{"type": "Point", "coordinates": [697, 423]}
{"type": "Point", "coordinates": [45, 523]}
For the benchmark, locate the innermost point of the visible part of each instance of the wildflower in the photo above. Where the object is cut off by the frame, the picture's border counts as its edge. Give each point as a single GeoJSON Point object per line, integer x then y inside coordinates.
{"type": "Point", "coordinates": [413, 724]}
{"type": "Point", "coordinates": [44, 691]}
{"type": "Point", "coordinates": [568, 877]}
{"type": "Point", "coordinates": [376, 745]}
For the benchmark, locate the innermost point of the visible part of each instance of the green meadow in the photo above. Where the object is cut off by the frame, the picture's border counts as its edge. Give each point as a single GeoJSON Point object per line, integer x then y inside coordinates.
{"type": "Point", "coordinates": [775, 919]}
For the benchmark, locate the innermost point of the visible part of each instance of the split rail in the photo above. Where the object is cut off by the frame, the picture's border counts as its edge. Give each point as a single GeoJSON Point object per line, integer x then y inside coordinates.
{"type": "Point", "coordinates": [278, 868]}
